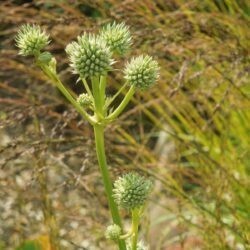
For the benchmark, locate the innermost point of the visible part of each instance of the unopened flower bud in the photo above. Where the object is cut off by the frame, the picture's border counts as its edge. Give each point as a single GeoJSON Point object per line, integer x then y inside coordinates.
{"type": "Point", "coordinates": [142, 72]}
{"type": "Point", "coordinates": [31, 39]}
{"type": "Point", "coordinates": [113, 232]}
{"type": "Point", "coordinates": [84, 100]}
{"type": "Point", "coordinates": [131, 191]}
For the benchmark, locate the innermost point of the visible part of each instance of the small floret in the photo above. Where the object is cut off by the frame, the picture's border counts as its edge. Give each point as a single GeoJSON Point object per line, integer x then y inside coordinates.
{"type": "Point", "coordinates": [113, 232]}
{"type": "Point", "coordinates": [84, 100]}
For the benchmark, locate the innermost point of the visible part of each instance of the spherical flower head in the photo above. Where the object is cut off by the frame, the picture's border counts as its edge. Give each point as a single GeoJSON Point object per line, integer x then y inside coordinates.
{"type": "Point", "coordinates": [142, 72]}
{"type": "Point", "coordinates": [117, 37]}
{"type": "Point", "coordinates": [113, 232]}
{"type": "Point", "coordinates": [89, 56]}
{"type": "Point", "coordinates": [84, 100]}
{"type": "Point", "coordinates": [31, 39]}
{"type": "Point", "coordinates": [131, 191]}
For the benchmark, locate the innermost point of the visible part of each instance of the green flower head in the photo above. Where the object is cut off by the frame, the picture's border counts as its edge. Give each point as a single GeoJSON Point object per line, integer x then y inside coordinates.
{"type": "Point", "coordinates": [31, 39]}
{"type": "Point", "coordinates": [89, 56]}
{"type": "Point", "coordinates": [84, 100]}
{"type": "Point", "coordinates": [113, 232]}
{"type": "Point", "coordinates": [117, 37]}
{"type": "Point", "coordinates": [131, 191]}
{"type": "Point", "coordinates": [142, 72]}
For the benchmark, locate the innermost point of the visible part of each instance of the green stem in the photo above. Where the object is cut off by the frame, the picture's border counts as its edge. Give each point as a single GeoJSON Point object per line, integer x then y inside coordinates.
{"type": "Point", "coordinates": [115, 95]}
{"type": "Point", "coordinates": [97, 97]}
{"type": "Point", "coordinates": [55, 79]}
{"type": "Point", "coordinates": [100, 151]}
{"type": "Point", "coordinates": [103, 81]}
{"type": "Point", "coordinates": [135, 226]}
{"type": "Point", "coordinates": [127, 235]}
{"type": "Point", "coordinates": [86, 86]}
{"type": "Point", "coordinates": [123, 104]}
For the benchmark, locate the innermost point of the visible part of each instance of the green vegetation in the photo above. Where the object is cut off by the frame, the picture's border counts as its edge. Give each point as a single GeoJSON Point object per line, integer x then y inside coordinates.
{"type": "Point", "coordinates": [190, 132]}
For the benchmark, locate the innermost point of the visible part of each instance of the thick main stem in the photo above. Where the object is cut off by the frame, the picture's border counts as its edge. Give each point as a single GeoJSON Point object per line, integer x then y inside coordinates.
{"type": "Point", "coordinates": [100, 151]}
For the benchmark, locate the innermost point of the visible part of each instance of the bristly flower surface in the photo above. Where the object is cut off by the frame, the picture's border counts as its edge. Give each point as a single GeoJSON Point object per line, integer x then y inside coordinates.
{"type": "Point", "coordinates": [131, 191]}
{"type": "Point", "coordinates": [117, 37]}
{"type": "Point", "coordinates": [89, 56]}
{"type": "Point", "coordinates": [84, 100]}
{"type": "Point", "coordinates": [142, 72]}
{"type": "Point", "coordinates": [113, 232]}
{"type": "Point", "coordinates": [31, 39]}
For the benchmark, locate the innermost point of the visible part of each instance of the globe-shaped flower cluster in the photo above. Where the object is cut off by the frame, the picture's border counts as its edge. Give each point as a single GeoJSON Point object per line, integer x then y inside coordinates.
{"type": "Point", "coordinates": [84, 100]}
{"type": "Point", "coordinates": [113, 232]}
{"type": "Point", "coordinates": [89, 56]}
{"type": "Point", "coordinates": [31, 39]}
{"type": "Point", "coordinates": [131, 191]}
{"type": "Point", "coordinates": [117, 37]}
{"type": "Point", "coordinates": [142, 72]}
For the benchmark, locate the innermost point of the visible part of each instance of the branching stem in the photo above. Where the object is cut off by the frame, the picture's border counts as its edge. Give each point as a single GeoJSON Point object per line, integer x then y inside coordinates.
{"type": "Point", "coordinates": [123, 104]}
{"type": "Point", "coordinates": [55, 79]}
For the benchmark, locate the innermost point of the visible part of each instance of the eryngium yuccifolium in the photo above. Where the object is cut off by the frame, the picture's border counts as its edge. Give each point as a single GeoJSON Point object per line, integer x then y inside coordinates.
{"type": "Point", "coordinates": [84, 100]}
{"type": "Point", "coordinates": [113, 232]}
{"type": "Point", "coordinates": [131, 191]}
{"type": "Point", "coordinates": [117, 37]}
{"type": "Point", "coordinates": [89, 56]}
{"type": "Point", "coordinates": [142, 72]}
{"type": "Point", "coordinates": [31, 39]}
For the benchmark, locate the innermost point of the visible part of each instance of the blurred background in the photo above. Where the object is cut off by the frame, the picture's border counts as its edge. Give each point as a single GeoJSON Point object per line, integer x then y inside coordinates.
{"type": "Point", "coordinates": [190, 133]}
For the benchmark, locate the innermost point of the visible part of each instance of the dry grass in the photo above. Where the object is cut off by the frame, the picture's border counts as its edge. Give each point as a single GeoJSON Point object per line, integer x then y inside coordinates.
{"type": "Point", "coordinates": [190, 132]}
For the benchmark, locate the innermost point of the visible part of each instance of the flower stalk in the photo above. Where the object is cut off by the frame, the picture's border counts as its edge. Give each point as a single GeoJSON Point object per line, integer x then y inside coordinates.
{"type": "Point", "coordinates": [91, 58]}
{"type": "Point", "coordinates": [99, 140]}
{"type": "Point", "coordinates": [135, 225]}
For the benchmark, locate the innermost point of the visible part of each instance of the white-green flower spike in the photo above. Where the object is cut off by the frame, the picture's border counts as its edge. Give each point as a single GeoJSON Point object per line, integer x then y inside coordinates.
{"type": "Point", "coordinates": [89, 56]}
{"type": "Point", "coordinates": [117, 37]}
{"type": "Point", "coordinates": [131, 191]}
{"type": "Point", "coordinates": [31, 39]}
{"type": "Point", "coordinates": [142, 72]}
{"type": "Point", "coordinates": [113, 232]}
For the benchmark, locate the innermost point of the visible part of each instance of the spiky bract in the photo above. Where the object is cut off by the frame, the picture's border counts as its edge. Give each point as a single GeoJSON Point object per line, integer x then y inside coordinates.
{"type": "Point", "coordinates": [142, 72]}
{"type": "Point", "coordinates": [131, 191]}
{"type": "Point", "coordinates": [31, 39]}
{"type": "Point", "coordinates": [89, 56]}
{"type": "Point", "coordinates": [117, 37]}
